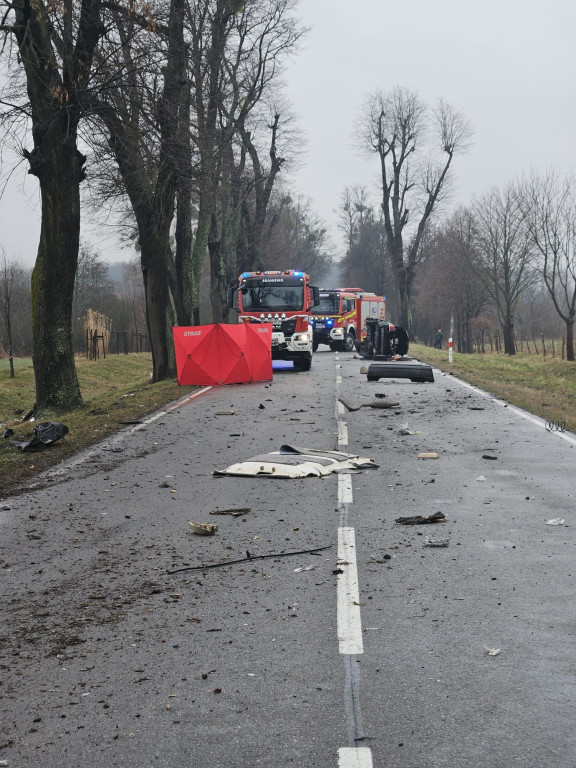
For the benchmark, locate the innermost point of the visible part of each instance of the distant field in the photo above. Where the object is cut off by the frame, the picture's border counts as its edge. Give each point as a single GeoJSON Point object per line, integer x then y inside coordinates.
{"type": "Point", "coordinates": [19, 362]}
{"type": "Point", "coordinates": [543, 386]}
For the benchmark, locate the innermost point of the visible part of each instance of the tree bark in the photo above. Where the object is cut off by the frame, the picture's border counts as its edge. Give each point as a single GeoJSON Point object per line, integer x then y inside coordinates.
{"type": "Point", "coordinates": [570, 339]}
{"type": "Point", "coordinates": [55, 93]}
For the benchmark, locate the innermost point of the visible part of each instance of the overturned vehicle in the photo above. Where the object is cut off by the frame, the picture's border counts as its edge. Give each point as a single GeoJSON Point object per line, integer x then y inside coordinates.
{"type": "Point", "coordinates": [387, 345]}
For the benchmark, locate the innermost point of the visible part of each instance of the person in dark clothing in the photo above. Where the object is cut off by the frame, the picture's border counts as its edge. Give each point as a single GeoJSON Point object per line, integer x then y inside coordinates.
{"type": "Point", "coordinates": [438, 339]}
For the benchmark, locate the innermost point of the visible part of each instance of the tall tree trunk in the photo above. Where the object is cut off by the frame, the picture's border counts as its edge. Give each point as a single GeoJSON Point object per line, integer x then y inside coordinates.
{"type": "Point", "coordinates": [55, 95]}
{"type": "Point", "coordinates": [155, 258]}
{"type": "Point", "coordinates": [508, 333]}
{"type": "Point", "coordinates": [570, 338]}
{"type": "Point", "coordinates": [57, 387]}
{"type": "Point", "coordinates": [183, 295]}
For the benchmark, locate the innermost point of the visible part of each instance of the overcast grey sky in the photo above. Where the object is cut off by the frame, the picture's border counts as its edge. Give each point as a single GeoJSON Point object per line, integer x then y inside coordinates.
{"type": "Point", "coordinates": [508, 65]}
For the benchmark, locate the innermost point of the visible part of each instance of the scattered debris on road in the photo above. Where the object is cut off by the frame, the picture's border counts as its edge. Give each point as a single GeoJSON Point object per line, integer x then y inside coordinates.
{"type": "Point", "coordinates": [555, 521]}
{"type": "Point", "coordinates": [374, 404]}
{"type": "Point", "coordinates": [428, 456]}
{"type": "Point", "coordinates": [428, 542]}
{"type": "Point", "coordinates": [249, 558]}
{"type": "Point", "coordinates": [233, 512]}
{"type": "Point", "coordinates": [291, 461]}
{"type": "Point", "coordinates": [437, 517]}
{"type": "Point", "coordinates": [203, 529]}
{"type": "Point", "coordinates": [406, 431]}
{"type": "Point", "coordinates": [492, 651]}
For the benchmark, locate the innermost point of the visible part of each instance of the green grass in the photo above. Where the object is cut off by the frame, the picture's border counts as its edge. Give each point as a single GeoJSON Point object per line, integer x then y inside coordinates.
{"type": "Point", "coordinates": [543, 386]}
{"type": "Point", "coordinates": [114, 390]}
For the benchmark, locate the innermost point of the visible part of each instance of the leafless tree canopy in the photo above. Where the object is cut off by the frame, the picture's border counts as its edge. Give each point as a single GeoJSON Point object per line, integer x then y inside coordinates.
{"type": "Point", "coordinates": [415, 146]}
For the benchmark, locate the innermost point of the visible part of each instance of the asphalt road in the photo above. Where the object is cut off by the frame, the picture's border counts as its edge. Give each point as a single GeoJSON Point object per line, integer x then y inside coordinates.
{"type": "Point", "coordinates": [372, 652]}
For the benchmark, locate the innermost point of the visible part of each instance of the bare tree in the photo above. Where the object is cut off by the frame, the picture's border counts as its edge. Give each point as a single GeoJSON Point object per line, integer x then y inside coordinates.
{"type": "Point", "coordinates": [549, 205]}
{"type": "Point", "coordinates": [354, 206]}
{"type": "Point", "coordinates": [415, 147]}
{"type": "Point", "coordinates": [239, 54]}
{"type": "Point", "coordinates": [11, 278]}
{"type": "Point", "coordinates": [55, 51]}
{"type": "Point", "coordinates": [295, 238]}
{"type": "Point", "coordinates": [505, 253]}
{"type": "Point", "coordinates": [448, 286]}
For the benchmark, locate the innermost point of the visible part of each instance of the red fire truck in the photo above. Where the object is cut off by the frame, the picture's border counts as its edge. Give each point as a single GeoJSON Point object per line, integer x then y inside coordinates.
{"type": "Point", "coordinates": [341, 314]}
{"type": "Point", "coordinates": [284, 298]}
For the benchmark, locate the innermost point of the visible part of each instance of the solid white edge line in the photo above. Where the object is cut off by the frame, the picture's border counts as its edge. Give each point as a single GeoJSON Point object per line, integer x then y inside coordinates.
{"type": "Point", "coordinates": [354, 757]}
{"type": "Point", "coordinates": [349, 621]}
{"type": "Point", "coordinates": [342, 433]}
{"type": "Point", "coordinates": [171, 407]}
{"type": "Point", "coordinates": [513, 408]}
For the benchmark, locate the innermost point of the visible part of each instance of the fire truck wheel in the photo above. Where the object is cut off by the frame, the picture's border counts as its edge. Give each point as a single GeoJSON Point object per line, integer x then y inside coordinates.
{"type": "Point", "coordinates": [349, 343]}
{"type": "Point", "coordinates": [303, 363]}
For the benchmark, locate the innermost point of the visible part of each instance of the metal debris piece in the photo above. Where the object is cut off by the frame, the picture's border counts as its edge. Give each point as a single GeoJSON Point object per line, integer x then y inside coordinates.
{"type": "Point", "coordinates": [203, 529]}
{"type": "Point", "coordinates": [428, 542]}
{"type": "Point", "coordinates": [373, 404]}
{"type": "Point", "coordinates": [249, 558]}
{"type": "Point", "coordinates": [492, 651]}
{"type": "Point", "coordinates": [555, 521]}
{"type": "Point", "coordinates": [437, 517]}
{"type": "Point", "coordinates": [234, 512]}
{"type": "Point", "coordinates": [428, 455]}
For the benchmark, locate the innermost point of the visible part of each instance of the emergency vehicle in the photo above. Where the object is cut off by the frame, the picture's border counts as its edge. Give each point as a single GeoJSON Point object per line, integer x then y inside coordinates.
{"type": "Point", "coordinates": [339, 319]}
{"type": "Point", "coordinates": [284, 298]}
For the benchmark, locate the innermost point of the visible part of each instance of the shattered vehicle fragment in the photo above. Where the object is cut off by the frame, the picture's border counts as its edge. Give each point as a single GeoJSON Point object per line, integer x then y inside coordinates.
{"type": "Point", "coordinates": [45, 434]}
{"type": "Point", "coordinates": [290, 461]}
{"type": "Point", "coordinates": [387, 345]}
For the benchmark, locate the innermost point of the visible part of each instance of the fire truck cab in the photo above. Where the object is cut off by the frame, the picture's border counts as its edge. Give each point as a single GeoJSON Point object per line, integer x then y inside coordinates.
{"type": "Point", "coordinates": [284, 298]}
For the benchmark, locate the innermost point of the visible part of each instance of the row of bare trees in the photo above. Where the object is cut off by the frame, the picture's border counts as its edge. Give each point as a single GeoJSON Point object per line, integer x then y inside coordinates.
{"type": "Point", "coordinates": [178, 107]}
{"type": "Point", "coordinates": [115, 291]}
{"type": "Point", "coordinates": [485, 257]}
{"type": "Point", "coordinates": [501, 252]}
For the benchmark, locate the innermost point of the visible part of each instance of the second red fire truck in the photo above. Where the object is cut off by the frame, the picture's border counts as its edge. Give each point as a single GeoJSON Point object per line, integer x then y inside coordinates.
{"type": "Point", "coordinates": [341, 314]}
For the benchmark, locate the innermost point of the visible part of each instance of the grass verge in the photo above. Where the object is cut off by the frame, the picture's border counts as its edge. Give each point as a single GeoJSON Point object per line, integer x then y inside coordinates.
{"type": "Point", "coordinates": [543, 386]}
{"type": "Point", "coordinates": [115, 390]}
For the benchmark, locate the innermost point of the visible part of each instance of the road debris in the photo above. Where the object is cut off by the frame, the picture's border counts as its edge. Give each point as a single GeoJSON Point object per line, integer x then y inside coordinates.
{"type": "Point", "coordinates": [405, 431]}
{"type": "Point", "coordinates": [428, 456]}
{"type": "Point", "coordinates": [307, 568]}
{"type": "Point", "coordinates": [249, 558]}
{"type": "Point", "coordinates": [373, 404]}
{"type": "Point", "coordinates": [492, 651]}
{"type": "Point", "coordinates": [490, 458]}
{"type": "Point", "coordinates": [428, 542]}
{"type": "Point", "coordinates": [234, 512]}
{"type": "Point", "coordinates": [555, 521]}
{"type": "Point", "coordinates": [203, 529]}
{"type": "Point", "coordinates": [45, 434]}
{"type": "Point", "coordinates": [437, 517]}
{"type": "Point", "coordinates": [290, 461]}
{"type": "Point", "coordinates": [224, 413]}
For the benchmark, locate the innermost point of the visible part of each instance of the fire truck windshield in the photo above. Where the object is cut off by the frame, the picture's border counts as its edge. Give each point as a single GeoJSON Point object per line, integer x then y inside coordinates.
{"type": "Point", "coordinates": [272, 298]}
{"type": "Point", "coordinates": [329, 304]}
